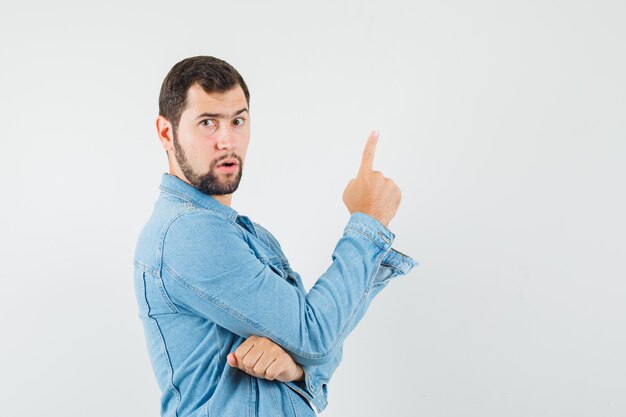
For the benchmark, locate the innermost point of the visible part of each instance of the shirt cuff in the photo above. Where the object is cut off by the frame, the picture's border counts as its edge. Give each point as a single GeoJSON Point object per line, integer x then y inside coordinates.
{"type": "Point", "coordinates": [400, 262]}
{"type": "Point", "coordinates": [372, 228]}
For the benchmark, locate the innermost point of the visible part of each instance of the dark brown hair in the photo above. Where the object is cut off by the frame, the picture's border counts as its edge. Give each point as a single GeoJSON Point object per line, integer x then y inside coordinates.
{"type": "Point", "coordinates": [212, 74]}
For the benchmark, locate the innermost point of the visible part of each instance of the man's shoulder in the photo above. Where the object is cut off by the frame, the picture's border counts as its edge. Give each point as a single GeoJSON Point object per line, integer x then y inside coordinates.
{"type": "Point", "coordinates": [171, 209]}
{"type": "Point", "coordinates": [193, 223]}
{"type": "Point", "coordinates": [177, 222]}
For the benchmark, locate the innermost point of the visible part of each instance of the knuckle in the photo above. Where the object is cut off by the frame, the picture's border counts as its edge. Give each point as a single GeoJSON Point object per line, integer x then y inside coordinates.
{"type": "Point", "coordinates": [271, 373]}
{"type": "Point", "coordinates": [258, 369]}
{"type": "Point", "coordinates": [247, 363]}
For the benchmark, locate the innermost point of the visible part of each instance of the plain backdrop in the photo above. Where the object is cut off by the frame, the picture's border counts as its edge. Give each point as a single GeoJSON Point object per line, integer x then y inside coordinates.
{"type": "Point", "coordinates": [504, 124]}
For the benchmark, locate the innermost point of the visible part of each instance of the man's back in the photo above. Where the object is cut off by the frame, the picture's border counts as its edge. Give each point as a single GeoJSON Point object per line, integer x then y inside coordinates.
{"type": "Point", "coordinates": [188, 351]}
{"type": "Point", "coordinates": [207, 278]}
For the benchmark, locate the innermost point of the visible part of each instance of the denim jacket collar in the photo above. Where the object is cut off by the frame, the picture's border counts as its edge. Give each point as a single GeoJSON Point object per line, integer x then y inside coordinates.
{"type": "Point", "coordinates": [173, 185]}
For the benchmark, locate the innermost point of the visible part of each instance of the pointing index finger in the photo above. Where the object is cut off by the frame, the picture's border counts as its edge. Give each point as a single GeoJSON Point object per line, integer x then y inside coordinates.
{"type": "Point", "coordinates": [367, 162]}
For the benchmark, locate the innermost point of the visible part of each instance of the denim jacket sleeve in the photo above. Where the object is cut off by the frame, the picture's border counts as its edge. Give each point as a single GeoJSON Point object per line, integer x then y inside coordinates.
{"type": "Point", "coordinates": [208, 267]}
{"type": "Point", "coordinates": [317, 377]}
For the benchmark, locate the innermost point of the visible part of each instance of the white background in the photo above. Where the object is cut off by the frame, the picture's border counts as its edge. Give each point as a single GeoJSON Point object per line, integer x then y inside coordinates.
{"type": "Point", "coordinates": [504, 124]}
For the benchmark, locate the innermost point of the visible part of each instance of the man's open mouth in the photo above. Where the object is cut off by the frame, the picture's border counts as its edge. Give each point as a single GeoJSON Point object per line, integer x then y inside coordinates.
{"type": "Point", "coordinates": [228, 163]}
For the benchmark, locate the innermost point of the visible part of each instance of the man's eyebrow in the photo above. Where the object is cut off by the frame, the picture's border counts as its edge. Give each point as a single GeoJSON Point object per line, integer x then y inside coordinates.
{"type": "Point", "coordinates": [221, 115]}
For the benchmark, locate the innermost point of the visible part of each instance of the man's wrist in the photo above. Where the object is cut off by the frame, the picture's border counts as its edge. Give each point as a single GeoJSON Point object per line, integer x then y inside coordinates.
{"type": "Point", "coordinates": [300, 374]}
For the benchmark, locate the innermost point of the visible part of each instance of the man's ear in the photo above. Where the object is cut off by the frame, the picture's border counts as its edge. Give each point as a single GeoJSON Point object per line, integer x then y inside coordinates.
{"type": "Point", "coordinates": [165, 133]}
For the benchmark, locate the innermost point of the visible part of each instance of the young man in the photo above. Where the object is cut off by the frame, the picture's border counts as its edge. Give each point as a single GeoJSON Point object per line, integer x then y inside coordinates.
{"type": "Point", "coordinates": [230, 329]}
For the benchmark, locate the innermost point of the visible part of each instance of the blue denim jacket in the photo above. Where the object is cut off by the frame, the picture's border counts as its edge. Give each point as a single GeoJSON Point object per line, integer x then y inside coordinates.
{"type": "Point", "coordinates": [207, 278]}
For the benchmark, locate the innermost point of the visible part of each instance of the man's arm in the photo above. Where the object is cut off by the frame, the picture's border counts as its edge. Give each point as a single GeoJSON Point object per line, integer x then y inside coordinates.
{"type": "Point", "coordinates": [313, 382]}
{"type": "Point", "coordinates": [317, 376]}
{"type": "Point", "coordinates": [209, 268]}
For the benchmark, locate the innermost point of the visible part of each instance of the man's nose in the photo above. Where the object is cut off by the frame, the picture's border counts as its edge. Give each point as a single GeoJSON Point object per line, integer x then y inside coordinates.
{"type": "Point", "coordinates": [225, 138]}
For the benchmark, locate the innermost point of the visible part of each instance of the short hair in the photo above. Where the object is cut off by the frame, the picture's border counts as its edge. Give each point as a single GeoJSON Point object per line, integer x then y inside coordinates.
{"type": "Point", "coordinates": [212, 74]}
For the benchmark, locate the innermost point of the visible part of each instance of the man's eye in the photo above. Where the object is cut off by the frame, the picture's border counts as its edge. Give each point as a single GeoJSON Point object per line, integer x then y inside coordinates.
{"type": "Point", "coordinates": [239, 121]}
{"type": "Point", "coordinates": [207, 122]}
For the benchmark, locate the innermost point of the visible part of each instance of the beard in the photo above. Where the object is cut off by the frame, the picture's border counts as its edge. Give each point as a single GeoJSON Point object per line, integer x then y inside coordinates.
{"type": "Point", "coordinates": [209, 183]}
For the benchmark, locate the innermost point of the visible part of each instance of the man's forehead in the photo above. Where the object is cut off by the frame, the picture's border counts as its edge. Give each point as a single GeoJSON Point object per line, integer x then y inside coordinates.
{"type": "Point", "coordinates": [196, 96]}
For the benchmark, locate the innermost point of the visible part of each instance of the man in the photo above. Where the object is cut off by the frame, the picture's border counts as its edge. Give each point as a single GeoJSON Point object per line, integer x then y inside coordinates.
{"type": "Point", "coordinates": [230, 329]}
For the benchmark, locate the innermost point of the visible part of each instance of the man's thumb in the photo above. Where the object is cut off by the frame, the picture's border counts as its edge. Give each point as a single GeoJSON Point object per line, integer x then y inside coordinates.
{"type": "Point", "coordinates": [231, 359]}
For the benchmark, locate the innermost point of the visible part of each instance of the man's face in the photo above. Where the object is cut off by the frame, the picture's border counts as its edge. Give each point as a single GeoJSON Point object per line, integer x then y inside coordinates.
{"type": "Point", "coordinates": [211, 140]}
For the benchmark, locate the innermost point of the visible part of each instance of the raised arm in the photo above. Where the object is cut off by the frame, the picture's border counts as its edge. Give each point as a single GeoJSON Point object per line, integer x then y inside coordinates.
{"type": "Point", "coordinates": [219, 277]}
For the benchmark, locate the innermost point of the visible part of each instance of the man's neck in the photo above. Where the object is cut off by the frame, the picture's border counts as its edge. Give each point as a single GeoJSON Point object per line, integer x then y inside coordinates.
{"type": "Point", "coordinates": [225, 199]}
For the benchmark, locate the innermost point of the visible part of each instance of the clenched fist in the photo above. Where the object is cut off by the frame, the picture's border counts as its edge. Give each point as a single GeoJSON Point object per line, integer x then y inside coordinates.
{"type": "Point", "coordinates": [371, 192]}
{"type": "Point", "coordinates": [262, 358]}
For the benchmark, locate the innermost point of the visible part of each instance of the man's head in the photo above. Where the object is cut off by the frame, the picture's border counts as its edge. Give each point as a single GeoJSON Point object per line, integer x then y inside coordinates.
{"type": "Point", "coordinates": [204, 122]}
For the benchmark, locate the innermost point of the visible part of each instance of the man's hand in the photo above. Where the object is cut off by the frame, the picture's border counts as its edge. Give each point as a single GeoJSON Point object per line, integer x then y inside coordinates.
{"type": "Point", "coordinates": [262, 358]}
{"type": "Point", "coordinates": [370, 192]}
